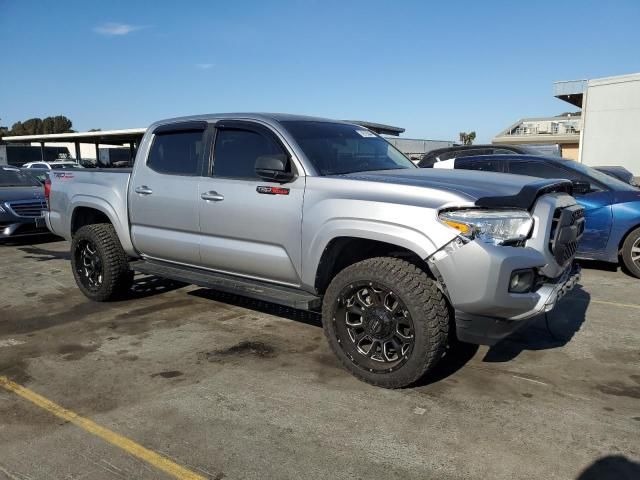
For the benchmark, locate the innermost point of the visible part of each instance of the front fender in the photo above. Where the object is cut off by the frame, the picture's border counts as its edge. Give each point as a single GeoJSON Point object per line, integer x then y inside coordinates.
{"type": "Point", "coordinates": [403, 236]}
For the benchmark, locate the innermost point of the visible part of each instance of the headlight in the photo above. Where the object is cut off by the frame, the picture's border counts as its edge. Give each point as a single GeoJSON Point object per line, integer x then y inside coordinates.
{"type": "Point", "coordinates": [499, 227]}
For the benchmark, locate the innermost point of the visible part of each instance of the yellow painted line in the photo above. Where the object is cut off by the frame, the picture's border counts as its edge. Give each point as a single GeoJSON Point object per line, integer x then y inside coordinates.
{"type": "Point", "coordinates": [129, 446]}
{"type": "Point", "coordinates": [603, 302]}
{"type": "Point", "coordinates": [616, 304]}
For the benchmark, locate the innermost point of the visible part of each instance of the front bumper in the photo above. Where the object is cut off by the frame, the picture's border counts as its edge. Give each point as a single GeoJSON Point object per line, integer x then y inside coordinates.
{"type": "Point", "coordinates": [11, 227]}
{"type": "Point", "coordinates": [475, 277]}
{"type": "Point", "coordinates": [488, 331]}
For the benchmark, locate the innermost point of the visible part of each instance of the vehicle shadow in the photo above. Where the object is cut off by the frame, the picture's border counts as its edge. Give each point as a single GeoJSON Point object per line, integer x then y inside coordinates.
{"type": "Point", "coordinates": [458, 354]}
{"type": "Point", "coordinates": [611, 467]}
{"type": "Point", "coordinates": [35, 239]}
{"type": "Point", "coordinates": [598, 265]}
{"type": "Point", "coordinates": [149, 285]}
{"type": "Point", "coordinates": [302, 316]}
{"type": "Point", "coordinates": [42, 255]}
{"type": "Point", "coordinates": [552, 330]}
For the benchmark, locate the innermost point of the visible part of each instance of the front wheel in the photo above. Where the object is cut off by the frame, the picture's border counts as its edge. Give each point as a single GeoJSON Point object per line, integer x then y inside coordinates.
{"type": "Point", "coordinates": [100, 265]}
{"type": "Point", "coordinates": [386, 320]}
{"type": "Point", "coordinates": [631, 253]}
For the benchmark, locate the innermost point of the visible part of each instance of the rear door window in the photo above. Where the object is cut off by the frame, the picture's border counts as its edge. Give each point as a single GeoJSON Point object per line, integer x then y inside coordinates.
{"type": "Point", "coordinates": [485, 165]}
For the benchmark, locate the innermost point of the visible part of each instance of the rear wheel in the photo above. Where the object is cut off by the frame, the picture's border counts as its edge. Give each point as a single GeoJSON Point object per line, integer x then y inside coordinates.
{"type": "Point", "coordinates": [386, 321]}
{"type": "Point", "coordinates": [100, 265]}
{"type": "Point", "coordinates": [631, 253]}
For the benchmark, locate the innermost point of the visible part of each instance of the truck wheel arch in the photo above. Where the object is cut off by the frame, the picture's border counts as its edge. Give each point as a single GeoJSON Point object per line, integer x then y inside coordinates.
{"type": "Point", "coordinates": [90, 211]}
{"type": "Point", "coordinates": [341, 252]}
{"type": "Point", "coordinates": [82, 216]}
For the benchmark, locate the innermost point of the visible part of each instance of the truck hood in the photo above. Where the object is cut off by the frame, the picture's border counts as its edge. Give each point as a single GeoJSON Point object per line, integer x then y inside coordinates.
{"type": "Point", "coordinates": [486, 189]}
{"type": "Point", "coordinates": [9, 194]}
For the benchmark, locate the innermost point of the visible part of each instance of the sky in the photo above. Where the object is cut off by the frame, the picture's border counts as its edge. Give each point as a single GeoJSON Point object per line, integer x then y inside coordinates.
{"type": "Point", "coordinates": [434, 68]}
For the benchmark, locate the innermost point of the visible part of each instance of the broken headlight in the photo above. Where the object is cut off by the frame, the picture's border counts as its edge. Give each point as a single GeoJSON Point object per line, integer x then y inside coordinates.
{"type": "Point", "coordinates": [499, 227]}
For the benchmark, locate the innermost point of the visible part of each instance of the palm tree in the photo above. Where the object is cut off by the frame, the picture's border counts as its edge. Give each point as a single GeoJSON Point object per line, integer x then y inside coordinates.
{"type": "Point", "coordinates": [467, 138]}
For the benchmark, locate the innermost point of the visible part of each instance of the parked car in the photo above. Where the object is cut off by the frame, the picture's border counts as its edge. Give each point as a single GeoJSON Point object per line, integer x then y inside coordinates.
{"type": "Point", "coordinates": [21, 203]}
{"type": "Point", "coordinates": [612, 207]}
{"type": "Point", "coordinates": [57, 165]}
{"type": "Point", "coordinates": [39, 174]}
{"type": "Point", "coordinates": [458, 151]}
{"type": "Point", "coordinates": [326, 215]}
{"type": "Point", "coordinates": [620, 173]}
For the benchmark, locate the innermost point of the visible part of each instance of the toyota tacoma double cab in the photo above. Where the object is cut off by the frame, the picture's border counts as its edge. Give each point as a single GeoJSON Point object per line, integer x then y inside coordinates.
{"type": "Point", "coordinates": [325, 215]}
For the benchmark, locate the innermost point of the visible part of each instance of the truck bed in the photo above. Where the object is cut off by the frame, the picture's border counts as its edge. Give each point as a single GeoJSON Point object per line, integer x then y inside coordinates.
{"type": "Point", "coordinates": [104, 189]}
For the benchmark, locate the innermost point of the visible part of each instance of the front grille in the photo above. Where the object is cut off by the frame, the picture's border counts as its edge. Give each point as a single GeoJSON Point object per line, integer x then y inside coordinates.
{"type": "Point", "coordinates": [567, 228]}
{"type": "Point", "coordinates": [28, 208]}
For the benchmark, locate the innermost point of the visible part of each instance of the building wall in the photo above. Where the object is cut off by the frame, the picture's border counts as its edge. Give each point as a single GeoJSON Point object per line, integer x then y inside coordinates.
{"type": "Point", "coordinates": [87, 150]}
{"type": "Point", "coordinates": [413, 147]}
{"type": "Point", "coordinates": [570, 151]}
{"type": "Point", "coordinates": [611, 122]}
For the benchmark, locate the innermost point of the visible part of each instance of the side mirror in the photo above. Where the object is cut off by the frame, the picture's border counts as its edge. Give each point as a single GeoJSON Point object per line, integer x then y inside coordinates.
{"type": "Point", "coordinates": [580, 187]}
{"type": "Point", "coordinates": [273, 168]}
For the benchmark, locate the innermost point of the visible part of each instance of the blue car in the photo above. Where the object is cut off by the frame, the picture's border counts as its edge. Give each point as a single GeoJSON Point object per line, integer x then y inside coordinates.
{"type": "Point", "coordinates": [612, 207]}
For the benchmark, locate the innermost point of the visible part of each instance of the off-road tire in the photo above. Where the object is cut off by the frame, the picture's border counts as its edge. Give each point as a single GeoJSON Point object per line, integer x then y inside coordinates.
{"type": "Point", "coordinates": [117, 278]}
{"type": "Point", "coordinates": [632, 241]}
{"type": "Point", "coordinates": [425, 303]}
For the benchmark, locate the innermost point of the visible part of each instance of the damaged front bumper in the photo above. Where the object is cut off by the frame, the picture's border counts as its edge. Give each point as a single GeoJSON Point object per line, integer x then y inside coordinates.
{"type": "Point", "coordinates": [476, 276]}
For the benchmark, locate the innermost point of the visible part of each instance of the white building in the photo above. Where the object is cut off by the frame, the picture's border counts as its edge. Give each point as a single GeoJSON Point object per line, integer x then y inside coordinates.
{"type": "Point", "coordinates": [605, 132]}
{"type": "Point", "coordinates": [611, 122]}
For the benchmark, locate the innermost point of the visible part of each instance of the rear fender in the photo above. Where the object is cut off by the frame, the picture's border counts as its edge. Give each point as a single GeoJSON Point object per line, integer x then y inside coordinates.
{"type": "Point", "coordinates": [120, 224]}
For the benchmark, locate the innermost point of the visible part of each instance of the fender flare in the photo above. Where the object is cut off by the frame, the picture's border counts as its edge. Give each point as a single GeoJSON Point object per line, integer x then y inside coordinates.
{"type": "Point", "coordinates": [121, 225]}
{"type": "Point", "coordinates": [394, 234]}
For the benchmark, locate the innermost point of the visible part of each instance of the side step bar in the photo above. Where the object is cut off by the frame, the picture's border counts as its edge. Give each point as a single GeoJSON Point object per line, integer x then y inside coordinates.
{"type": "Point", "coordinates": [267, 292]}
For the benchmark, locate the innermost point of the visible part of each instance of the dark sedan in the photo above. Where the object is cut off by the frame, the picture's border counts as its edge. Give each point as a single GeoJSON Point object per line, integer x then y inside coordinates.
{"type": "Point", "coordinates": [21, 203]}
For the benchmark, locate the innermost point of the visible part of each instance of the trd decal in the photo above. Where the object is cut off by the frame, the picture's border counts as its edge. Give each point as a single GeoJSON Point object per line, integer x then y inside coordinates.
{"type": "Point", "coordinates": [63, 175]}
{"type": "Point", "coordinates": [272, 190]}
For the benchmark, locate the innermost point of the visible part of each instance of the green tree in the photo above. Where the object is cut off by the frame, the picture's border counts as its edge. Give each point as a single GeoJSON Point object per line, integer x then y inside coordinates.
{"type": "Point", "coordinates": [62, 124]}
{"type": "Point", "coordinates": [3, 130]}
{"type": "Point", "coordinates": [47, 125]}
{"type": "Point", "coordinates": [467, 138]}
{"type": "Point", "coordinates": [38, 126]}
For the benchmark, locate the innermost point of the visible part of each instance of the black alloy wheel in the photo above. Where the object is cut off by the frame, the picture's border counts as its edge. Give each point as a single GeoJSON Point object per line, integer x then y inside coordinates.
{"type": "Point", "coordinates": [374, 327]}
{"type": "Point", "coordinates": [89, 265]}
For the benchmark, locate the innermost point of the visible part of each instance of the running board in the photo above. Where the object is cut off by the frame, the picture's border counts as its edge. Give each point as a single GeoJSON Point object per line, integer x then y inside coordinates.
{"type": "Point", "coordinates": [267, 292]}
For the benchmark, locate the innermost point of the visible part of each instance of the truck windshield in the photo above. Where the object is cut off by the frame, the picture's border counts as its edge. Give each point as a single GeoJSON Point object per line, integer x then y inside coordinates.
{"type": "Point", "coordinates": [11, 177]}
{"type": "Point", "coordinates": [337, 148]}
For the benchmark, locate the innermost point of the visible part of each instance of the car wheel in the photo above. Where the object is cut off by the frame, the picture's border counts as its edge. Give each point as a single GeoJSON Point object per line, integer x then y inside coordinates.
{"type": "Point", "coordinates": [631, 253]}
{"type": "Point", "coordinates": [386, 321]}
{"type": "Point", "coordinates": [100, 265]}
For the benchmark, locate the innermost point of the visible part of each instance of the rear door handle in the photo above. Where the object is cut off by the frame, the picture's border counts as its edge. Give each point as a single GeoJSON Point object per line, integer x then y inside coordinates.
{"type": "Point", "coordinates": [212, 196]}
{"type": "Point", "coordinates": [143, 190]}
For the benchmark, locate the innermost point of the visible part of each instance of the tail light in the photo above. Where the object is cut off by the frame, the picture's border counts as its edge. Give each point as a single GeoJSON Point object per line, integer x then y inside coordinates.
{"type": "Point", "coordinates": [47, 191]}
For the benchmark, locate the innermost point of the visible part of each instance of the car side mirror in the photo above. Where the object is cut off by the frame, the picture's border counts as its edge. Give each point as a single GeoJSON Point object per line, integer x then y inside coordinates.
{"type": "Point", "coordinates": [274, 168]}
{"type": "Point", "coordinates": [580, 187]}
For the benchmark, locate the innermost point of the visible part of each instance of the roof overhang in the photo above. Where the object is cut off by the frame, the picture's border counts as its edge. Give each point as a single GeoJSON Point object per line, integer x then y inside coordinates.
{"type": "Point", "coordinates": [536, 139]}
{"type": "Point", "coordinates": [110, 137]}
{"type": "Point", "coordinates": [379, 128]}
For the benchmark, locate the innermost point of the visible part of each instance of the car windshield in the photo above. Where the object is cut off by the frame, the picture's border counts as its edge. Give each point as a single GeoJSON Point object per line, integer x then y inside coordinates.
{"type": "Point", "coordinates": [607, 180]}
{"type": "Point", "coordinates": [337, 148]}
{"type": "Point", "coordinates": [11, 177]}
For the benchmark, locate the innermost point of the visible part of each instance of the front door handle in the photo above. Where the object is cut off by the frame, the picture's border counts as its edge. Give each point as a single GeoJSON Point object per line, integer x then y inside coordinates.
{"type": "Point", "coordinates": [143, 190]}
{"type": "Point", "coordinates": [212, 196]}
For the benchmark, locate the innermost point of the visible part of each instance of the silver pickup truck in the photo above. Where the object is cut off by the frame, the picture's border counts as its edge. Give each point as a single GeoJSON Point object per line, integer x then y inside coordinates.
{"type": "Point", "coordinates": [325, 215]}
